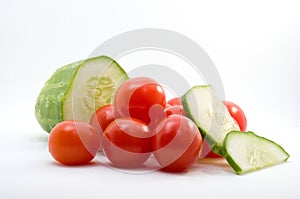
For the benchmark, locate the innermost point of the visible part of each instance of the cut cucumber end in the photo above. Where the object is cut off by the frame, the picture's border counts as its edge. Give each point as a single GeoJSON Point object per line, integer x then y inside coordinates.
{"type": "Point", "coordinates": [246, 152]}
{"type": "Point", "coordinates": [75, 91]}
{"type": "Point", "coordinates": [94, 85]}
{"type": "Point", "coordinates": [208, 112]}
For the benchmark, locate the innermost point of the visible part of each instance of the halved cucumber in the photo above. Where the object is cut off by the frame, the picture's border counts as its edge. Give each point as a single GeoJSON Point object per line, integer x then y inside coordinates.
{"type": "Point", "coordinates": [209, 113]}
{"type": "Point", "coordinates": [75, 91]}
{"type": "Point", "coordinates": [246, 151]}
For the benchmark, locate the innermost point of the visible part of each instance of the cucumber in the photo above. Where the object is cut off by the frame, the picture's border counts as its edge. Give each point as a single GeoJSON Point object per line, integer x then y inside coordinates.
{"type": "Point", "coordinates": [76, 90]}
{"type": "Point", "coordinates": [208, 112]}
{"type": "Point", "coordinates": [246, 151]}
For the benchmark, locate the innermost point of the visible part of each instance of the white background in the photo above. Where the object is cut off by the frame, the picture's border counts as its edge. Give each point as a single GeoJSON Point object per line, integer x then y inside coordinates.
{"type": "Point", "coordinates": [255, 46]}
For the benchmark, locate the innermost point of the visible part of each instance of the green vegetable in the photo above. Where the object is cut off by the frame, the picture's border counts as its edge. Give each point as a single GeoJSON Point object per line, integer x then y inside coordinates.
{"type": "Point", "coordinates": [209, 113]}
{"type": "Point", "coordinates": [75, 91]}
{"type": "Point", "coordinates": [246, 151]}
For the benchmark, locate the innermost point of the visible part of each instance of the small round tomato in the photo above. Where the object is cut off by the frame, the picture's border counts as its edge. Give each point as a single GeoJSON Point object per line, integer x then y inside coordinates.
{"type": "Point", "coordinates": [174, 107]}
{"type": "Point", "coordinates": [136, 96]}
{"type": "Point", "coordinates": [102, 118]}
{"type": "Point", "coordinates": [175, 110]}
{"type": "Point", "coordinates": [73, 142]}
{"type": "Point", "coordinates": [126, 142]}
{"type": "Point", "coordinates": [237, 114]}
{"type": "Point", "coordinates": [176, 143]}
{"type": "Point", "coordinates": [175, 102]}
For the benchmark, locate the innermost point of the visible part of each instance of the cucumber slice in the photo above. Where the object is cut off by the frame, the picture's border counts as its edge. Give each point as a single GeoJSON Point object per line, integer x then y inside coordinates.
{"type": "Point", "coordinates": [75, 91]}
{"type": "Point", "coordinates": [209, 113]}
{"type": "Point", "coordinates": [246, 151]}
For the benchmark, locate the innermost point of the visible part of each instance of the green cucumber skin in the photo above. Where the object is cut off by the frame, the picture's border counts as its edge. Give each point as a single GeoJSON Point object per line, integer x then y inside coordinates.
{"type": "Point", "coordinates": [53, 94]}
{"type": "Point", "coordinates": [238, 170]}
{"type": "Point", "coordinates": [48, 99]}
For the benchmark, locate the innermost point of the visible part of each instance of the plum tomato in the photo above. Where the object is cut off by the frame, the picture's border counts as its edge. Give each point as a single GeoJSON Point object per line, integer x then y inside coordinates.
{"type": "Point", "coordinates": [137, 96]}
{"type": "Point", "coordinates": [176, 143]}
{"type": "Point", "coordinates": [237, 114]}
{"type": "Point", "coordinates": [126, 142]}
{"type": "Point", "coordinates": [102, 118]}
{"type": "Point", "coordinates": [73, 142]}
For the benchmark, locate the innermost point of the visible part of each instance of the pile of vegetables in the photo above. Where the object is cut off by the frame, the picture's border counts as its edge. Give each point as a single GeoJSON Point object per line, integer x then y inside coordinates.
{"type": "Point", "coordinates": [92, 105]}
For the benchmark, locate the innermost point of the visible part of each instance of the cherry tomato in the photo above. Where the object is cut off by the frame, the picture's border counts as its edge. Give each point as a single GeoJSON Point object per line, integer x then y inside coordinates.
{"type": "Point", "coordinates": [174, 107]}
{"type": "Point", "coordinates": [175, 110]}
{"type": "Point", "coordinates": [102, 118]}
{"type": "Point", "coordinates": [73, 142]}
{"type": "Point", "coordinates": [175, 102]}
{"type": "Point", "coordinates": [126, 142]}
{"type": "Point", "coordinates": [176, 143]}
{"type": "Point", "coordinates": [237, 114]}
{"type": "Point", "coordinates": [137, 96]}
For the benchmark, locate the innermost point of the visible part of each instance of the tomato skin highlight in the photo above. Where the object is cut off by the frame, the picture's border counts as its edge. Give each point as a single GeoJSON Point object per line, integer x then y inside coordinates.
{"type": "Point", "coordinates": [237, 114]}
{"type": "Point", "coordinates": [136, 96]}
{"type": "Point", "coordinates": [126, 143]}
{"type": "Point", "coordinates": [176, 143]}
{"type": "Point", "coordinates": [73, 142]}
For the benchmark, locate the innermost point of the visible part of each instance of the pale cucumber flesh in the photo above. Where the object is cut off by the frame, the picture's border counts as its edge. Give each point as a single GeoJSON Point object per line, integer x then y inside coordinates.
{"type": "Point", "coordinates": [202, 105]}
{"type": "Point", "coordinates": [246, 151]}
{"type": "Point", "coordinates": [92, 88]}
{"type": "Point", "coordinates": [75, 91]}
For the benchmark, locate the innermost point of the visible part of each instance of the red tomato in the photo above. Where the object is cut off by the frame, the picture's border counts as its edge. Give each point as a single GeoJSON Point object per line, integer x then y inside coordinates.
{"type": "Point", "coordinates": [175, 110]}
{"type": "Point", "coordinates": [174, 107]}
{"type": "Point", "coordinates": [102, 118]}
{"type": "Point", "coordinates": [176, 143]}
{"type": "Point", "coordinates": [237, 114]}
{"type": "Point", "coordinates": [175, 102]}
{"type": "Point", "coordinates": [126, 142]}
{"type": "Point", "coordinates": [73, 142]}
{"type": "Point", "coordinates": [141, 98]}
